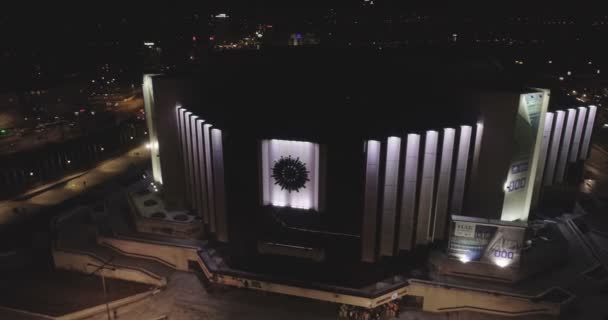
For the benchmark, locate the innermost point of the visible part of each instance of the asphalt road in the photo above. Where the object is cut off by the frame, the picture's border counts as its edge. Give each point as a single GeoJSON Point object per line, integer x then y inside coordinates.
{"type": "Point", "coordinates": [12, 211]}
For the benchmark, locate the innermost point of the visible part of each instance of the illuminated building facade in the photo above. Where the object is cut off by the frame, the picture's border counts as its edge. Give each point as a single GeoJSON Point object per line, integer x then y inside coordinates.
{"type": "Point", "coordinates": [284, 175]}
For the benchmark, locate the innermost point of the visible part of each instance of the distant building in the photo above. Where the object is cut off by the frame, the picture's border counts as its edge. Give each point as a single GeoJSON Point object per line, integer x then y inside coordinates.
{"type": "Point", "coordinates": [307, 39]}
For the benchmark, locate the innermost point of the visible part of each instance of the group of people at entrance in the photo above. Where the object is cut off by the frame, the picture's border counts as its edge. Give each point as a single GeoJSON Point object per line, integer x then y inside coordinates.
{"type": "Point", "coordinates": [386, 311]}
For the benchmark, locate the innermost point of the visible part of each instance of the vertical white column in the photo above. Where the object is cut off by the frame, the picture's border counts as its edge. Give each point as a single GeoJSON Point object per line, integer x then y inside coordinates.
{"type": "Point", "coordinates": [389, 202]}
{"type": "Point", "coordinates": [578, 133]}
{"type": "Point", "coordinates": [178, 115]}
{"type": "Point", "coordinates": [370, 206]}
{"type": "Point", "coordinates": [150, 107]}
{"type": "Point", "coordinates": [443, 184]}
{"type": "Point", "coordinates": [542, 160]}
{"type": "Point", "coordinates": [554, 150]}
{"type": "Point", "coordinates": [565, 148]}
{"type": "Point", "coordinates": [184, 142]}
{"type": "Point", "coordinates": [218, 184]}
{"type": "Point", "coordinates": [195, 173]}
{"type": "Point", "coordinates": [588, 132]}
{"type": "Point", "coordinates": [476, 150]}
{"type": "Point", "coordinates": [265, 154]}
{"type": "Point", "coordinates": [188, 156]}
{"type": "Point", "coordinates": [408, 197]}
{"type": "Point", "coordinates": [209, 169]}
{"type": "Point", "coordinates": [202, 174]}
{"type": "Point", "coordinates": [427, 185]}
{"type": "Point", "coordinates": [460, 175]}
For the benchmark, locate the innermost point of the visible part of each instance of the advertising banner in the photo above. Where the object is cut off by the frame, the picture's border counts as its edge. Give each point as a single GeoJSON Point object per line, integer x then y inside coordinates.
{"type": "Point", "coordinates": [526, 139]}
{"type": "Point", "coordinates": [486, 241]}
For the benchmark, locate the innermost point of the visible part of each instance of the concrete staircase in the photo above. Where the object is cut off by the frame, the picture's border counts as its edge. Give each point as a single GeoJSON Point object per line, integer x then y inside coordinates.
{"type": "Point", "coordinates": [103, 261]}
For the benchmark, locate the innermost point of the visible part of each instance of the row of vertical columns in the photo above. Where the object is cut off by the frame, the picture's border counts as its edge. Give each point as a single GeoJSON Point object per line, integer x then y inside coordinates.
{"type": "Point", "coordinates": [423, 184]}
{"type": "Point", "coordinates": [203, 160]}
{"type": "Point", "coordinates": [566, 139]}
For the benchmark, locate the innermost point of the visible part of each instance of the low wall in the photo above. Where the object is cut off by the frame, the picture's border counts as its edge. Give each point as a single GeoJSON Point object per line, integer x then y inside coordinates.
{"type": "Point", "coordinates": [88, 263]}
{"type": "Point", "coordinates": [174, 256]}
{"type": "Point", "coordinates": [437, 297]}
{"type": "Point", "coordinates": [440, 298]}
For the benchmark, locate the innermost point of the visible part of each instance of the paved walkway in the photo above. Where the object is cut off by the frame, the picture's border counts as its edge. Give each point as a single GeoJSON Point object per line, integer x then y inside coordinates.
{"type": "Point", "coordinates": [80, 183]}
{"type": "Point", "coordinates": [186, 299]}
{"type": "Point", "coordinates": [57, 292]}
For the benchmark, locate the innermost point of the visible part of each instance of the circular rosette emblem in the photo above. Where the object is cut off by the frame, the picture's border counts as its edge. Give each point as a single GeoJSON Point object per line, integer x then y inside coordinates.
{"type": "Point", "coordinates": [290, 174]}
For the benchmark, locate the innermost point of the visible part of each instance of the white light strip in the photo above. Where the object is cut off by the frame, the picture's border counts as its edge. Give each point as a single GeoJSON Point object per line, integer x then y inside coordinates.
{"type": "Point", "coordinates": [477, 150]}
{"type": "Point", "coordinates": [578, 133]}
{"type": "Point", "coordinates": [189, 169]}
{"type": "Point", "coordinates": [443, 184]}
{"type": "Point", "coordinates": [389, 202]}
{"type": "Point", "coordinates": [195, 174]}
{"type": "Point", "coordinates": [209, 168]}
{"type": "Point", "coordinates": [265, 168]}
{"type": "Point", "coordinates": [202, 171]}
{"type": "Point", "coordinates": [543, 155]}
{"type": "Point", "coordinates": [408, 197]}
{"type": "Point", "coordinates": [218, 185]}
{"type": "Point", "coordinates": [588, 131]}
{"type": "Point", "coordinates": [184, 147]}
{"type": "Point", "coordinates": [464, 147]}
{"type": "Point", "coordinates": [427, 184]}
{"type": "Point", "coordinates": [149, 107]}
{"type": "Point", "coordinates": [565, 148]}
{"type": "Point", "coordinates": [370, 206]}
{"type": "Point", "coordinates": [554, 150]}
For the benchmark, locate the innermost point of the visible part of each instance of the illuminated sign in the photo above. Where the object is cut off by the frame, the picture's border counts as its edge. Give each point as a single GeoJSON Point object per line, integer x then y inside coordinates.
{"type": "Point", "coordinates": [486, 241]}
{"type": "Point", "coordinates": [290, 174]}
{"type": "Point", "coordinates": [527, 139]}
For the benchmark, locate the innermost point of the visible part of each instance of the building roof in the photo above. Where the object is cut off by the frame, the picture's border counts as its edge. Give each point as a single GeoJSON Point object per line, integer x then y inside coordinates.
{"type": "Point", "coordinates": [315, 94]}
